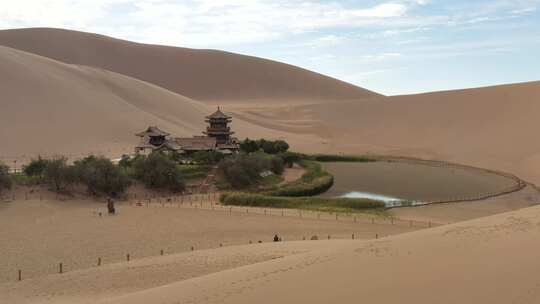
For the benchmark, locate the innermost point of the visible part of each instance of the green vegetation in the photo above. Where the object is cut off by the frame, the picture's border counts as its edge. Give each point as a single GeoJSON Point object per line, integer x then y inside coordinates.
{"type": "Point", "coordinates": [5, 178]}
{"type": "Point", "coordinates": [339, 158]}
{"type": "Point", "coordinates": [267, 146]}
{"type": "Point", "coordinates": [314, 203]}
{"type": "Point", "coordinates": [244, 170]}
{"type": "Point", "coordinates": [101, 176]}
{"type": "Point", "coordinates": [160, 172]}
{"type": "Point", "coordinates": [289, 158]}
{"type": "Point", "coordinates": [315, 181]}
{"type": "Point", "coordinates": [36, 168]}
{"type": "Point", "coordinates": [190, 172]}
{"type": "Point", "coordinates": [59, 175]}
{"type": "Point", "coordinates": [208, 157]}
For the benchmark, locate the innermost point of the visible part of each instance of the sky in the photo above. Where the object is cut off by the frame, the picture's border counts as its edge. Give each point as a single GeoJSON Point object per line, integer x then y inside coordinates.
{"type": "Point", "coordinates": [391, 47]}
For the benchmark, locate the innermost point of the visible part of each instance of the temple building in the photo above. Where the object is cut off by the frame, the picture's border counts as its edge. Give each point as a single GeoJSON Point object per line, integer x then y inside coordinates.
{"type": "Point", "coordinates": [218, 137]}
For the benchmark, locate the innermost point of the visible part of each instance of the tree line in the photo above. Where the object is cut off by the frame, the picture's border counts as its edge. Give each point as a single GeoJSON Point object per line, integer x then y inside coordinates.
{"type": "Point", "coordinates": [100, 175]}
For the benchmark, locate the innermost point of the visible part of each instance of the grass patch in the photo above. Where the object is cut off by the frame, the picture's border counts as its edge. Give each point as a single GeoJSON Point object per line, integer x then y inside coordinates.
{"type": "Point", "coordinates": [340, 158]}
{"type": "Point", "coordinates": [25, 180]}
{"type": "Point", "coordinates": [312, 203]}
{"type": "Point", "coordinates": [315, 181]}
{"type": "Point", "coordinates": [190, 172]}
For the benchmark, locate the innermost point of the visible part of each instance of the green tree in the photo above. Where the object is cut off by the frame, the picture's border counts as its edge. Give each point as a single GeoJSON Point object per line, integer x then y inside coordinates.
{"type": "Point", "coordinates": [36, 167]}
{"type": "Point", "coordinates": [5, 178]}
{"type": "Point", "coordinates": [159, 171]}
{"type": "Point", "coordinates": [208, 157]}
{"type": "Point", "coordinates": [289, 158]}
{"type": "Point", "coordinates": [101, 176]}
{"type": "Point", "coordinates": [281, 146]}
{"type": "Point", "coordinates": [59, 175]}
{"type": "Point", "coordinates": [249, 146]}
{"type": "Point", "coordinates": [274, 147]}
{"type": "Point", "coordinates": [244, 170]}
{"type": "Point", "coordinates": [277, 165]}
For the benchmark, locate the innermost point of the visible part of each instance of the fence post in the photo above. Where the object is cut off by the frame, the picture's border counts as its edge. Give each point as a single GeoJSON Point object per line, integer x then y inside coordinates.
{"type": "Point", "coordinates": [352, 236]}
{"type": "Point", "coordinates": [128, 257]}
{"type": "Point", "coordinates": [60, 268]}
{"type": "Point", "coordinates": [161, 252]}
{"type": "Point", "coordinates": [20, 275]}
{"type": "Point", "coordinates": [376, 235]}
{"type": "Point", "coordinates": [192, 248]}
{"type": "Point", "coordinates": [99, 261]}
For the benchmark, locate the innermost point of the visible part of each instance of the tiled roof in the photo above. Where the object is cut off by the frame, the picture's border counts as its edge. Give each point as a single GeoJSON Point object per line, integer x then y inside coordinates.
{"type": "Point", "coordinates": [197, 143]}
{"type": "Point", "coordinates": [218, 115]}
{"type": "Point", "coordinates": [153, 131]}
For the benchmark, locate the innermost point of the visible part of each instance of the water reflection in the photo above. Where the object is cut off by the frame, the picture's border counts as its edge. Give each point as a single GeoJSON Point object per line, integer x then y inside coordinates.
{"type": "Point", "coordinates": [372, 196]}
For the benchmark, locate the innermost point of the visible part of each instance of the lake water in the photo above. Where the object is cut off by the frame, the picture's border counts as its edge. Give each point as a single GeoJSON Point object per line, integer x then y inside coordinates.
{"type": "Point", "coordinates": [390, 181]}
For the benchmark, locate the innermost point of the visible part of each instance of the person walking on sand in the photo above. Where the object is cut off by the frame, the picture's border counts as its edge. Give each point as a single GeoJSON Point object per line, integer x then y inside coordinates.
{"type": "Point", "coordinates": [110, 206]}
{"type": "Point", "coordinates": [276, 238]}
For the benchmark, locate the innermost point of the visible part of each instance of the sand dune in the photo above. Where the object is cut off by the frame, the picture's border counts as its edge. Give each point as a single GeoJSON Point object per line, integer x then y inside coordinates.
{"type": "Point", "coordinates": [492, 127]}
{"type": "Point", "coordinates": [206, 75]}
{"type": "Point", "coordinates": [50, 107]}
{"type": "Point", "coordinates": [489, 260]}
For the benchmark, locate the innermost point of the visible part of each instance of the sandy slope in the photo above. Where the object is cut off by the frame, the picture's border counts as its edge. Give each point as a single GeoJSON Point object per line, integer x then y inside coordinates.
{"type": "Point", "coordinates": [489, 260]}
{"type": "Point", "coordinates": [50, 107]}
{"type": "Point", "coordinates": [492, 127]}
{"type": "Point", "coordinates": [206, 75]}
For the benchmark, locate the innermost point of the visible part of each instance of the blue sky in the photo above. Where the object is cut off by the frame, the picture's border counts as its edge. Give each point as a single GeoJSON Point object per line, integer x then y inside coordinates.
{"type": "Point", "coordinates": [392, 47]}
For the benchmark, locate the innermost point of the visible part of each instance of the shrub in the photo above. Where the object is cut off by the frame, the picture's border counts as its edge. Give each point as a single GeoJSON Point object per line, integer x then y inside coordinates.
{"type": "Point", "coordinates": [159, 171]}
{"type": "Point", "coordinates": [244, 170]}
{"type": "Point", "coordinates": [277, 165]}
{"type": "Point", "coordinates": [297, 189]}
{"type": "Point", "coordinates": [289, 158]}
{"type": "Point", "coordinates": [5, 178]}
{"type": "Point", "coordinates": [208, 157]}
{"type": "Point", "coordinates": [195, 171]}
{"type": "Point", "coordinates": [58, 174]}
{"type": "Point", "coordinates": [36, 167]}
{"type": "Point", "coordinates": [101, 176]}
{"type": "Point", "coordinates": [257, 200]}
{"type": "Point", "coordinates": [274, 147]}
{"type": "Point", "coordinates": [249, 146]}
{"type": "Point", "coordinates": [315, 181]}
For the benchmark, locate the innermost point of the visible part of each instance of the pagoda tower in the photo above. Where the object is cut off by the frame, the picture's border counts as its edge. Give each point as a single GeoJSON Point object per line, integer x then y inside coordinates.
{"type": "Point", "coordinates": [218, 127]}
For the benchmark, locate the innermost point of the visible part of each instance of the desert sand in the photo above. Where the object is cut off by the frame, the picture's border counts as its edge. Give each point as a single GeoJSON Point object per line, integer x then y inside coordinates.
{"type": "Point", "coordinates": [426, 266]}
{"type": "Point", "coordinates": [490, 127]}
{"type": "Point", "coordinates": [206, 75]}
{"type": "Point", "coordinates": [73, 93]}
{"type": "Point", "coordinates": [489, 260]}
{"type": "Point", "coordinates": [49, 108]}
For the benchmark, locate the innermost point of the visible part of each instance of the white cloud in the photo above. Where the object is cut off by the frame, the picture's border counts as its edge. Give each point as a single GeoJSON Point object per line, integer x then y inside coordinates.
{"type": "Point", "coordinates": [382, 11]}
{"type": "Point", "coordinates": [197, 22]}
